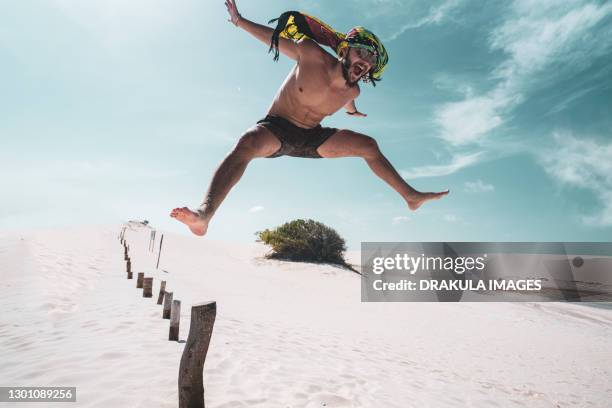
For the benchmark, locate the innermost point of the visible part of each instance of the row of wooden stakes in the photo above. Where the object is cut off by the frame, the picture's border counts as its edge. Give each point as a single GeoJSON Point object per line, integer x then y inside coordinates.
{"type": "Point", "coordinates": [171, 307]}
{"type": "Point", "coordinates": [191, 368]}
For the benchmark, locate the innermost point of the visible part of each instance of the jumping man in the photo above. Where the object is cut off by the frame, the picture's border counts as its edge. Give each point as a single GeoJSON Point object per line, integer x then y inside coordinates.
{"type": "Point", "coordinates": [318, 86]}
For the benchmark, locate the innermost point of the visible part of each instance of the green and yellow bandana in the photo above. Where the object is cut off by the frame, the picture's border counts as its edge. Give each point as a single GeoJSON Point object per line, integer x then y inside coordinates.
{"type": "Point", "coordinates": [295, 25]}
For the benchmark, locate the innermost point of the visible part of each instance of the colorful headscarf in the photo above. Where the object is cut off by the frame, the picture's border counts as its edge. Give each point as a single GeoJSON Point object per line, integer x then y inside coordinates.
{"type": "Point", "coordinates": [295, 25]}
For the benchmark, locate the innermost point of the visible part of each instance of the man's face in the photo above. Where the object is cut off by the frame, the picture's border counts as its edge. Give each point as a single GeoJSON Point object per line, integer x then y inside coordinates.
{"type": "Point", "coordinates": [357, 63]}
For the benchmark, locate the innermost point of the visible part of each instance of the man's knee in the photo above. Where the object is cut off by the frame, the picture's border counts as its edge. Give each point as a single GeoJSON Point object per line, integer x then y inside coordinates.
{"type": "Point", "coordinates": [368, 146]}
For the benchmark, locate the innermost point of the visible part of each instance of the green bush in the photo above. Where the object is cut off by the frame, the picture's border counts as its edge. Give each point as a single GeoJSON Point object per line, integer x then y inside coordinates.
{"type": "Point", "coordinates": [304, 240]}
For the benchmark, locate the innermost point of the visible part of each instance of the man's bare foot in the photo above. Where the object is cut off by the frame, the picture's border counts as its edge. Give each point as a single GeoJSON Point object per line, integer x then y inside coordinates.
{"type": "Point", "coordinates": [417, 200]}
{"type": "Point", "coordinates": [192, 219]}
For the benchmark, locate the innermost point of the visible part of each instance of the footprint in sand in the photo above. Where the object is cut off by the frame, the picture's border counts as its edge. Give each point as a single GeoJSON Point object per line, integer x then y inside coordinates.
{"type": "Point", "coordinates": [89, 323]}
{"type": "Point", "coordinates": [329, 401]}
{"type": "Point", "coordinates": [114, 355]}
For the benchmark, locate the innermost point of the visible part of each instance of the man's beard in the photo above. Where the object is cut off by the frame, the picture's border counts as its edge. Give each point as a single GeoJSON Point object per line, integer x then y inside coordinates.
{"type": "Point", "coordinates": [346, 65]}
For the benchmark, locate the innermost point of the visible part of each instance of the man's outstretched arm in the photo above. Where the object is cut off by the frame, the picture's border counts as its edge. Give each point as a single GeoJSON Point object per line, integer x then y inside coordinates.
{"type": "Point", "coordinates": [261, 32]}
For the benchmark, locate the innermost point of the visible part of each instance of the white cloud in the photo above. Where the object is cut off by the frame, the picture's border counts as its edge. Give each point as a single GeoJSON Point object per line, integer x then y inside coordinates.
{"type": "Point", "coordinates": [256, 209]}
{"type": "Point", "coordinates": [451, 218]}
{"type": "Point", "coordinates": [469, 120]}
{"type": "Point", "coordinates": [535, 36]}
{"type": "Point", "coordinates": [458, 162]}
{"type": "Point", "coordinates": [478, 186]}
{"type": "Point", "coordinates": [447, 82]}
{"type": "Point", "coordinates": [583, 163]}
{"type": "Point", "coordinates": [436, 15]}
{"type": "Point", "coordinates": [542, 32]}
{"type": "Point", "coordinates": [604, 217]}
{"type": "Point", "coordinates": [573, 97]}
{"type": "Point", "coordinates": [400, 219]}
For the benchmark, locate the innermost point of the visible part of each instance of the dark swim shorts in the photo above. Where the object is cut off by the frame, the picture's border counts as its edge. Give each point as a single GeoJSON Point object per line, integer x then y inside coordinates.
{"type": "Point", "coordinates": [296, 141]}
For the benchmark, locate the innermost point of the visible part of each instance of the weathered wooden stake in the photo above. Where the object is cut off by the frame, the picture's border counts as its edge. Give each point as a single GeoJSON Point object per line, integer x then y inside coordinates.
{"type": "Point", "coordinates": [130, 275]}
{"type": "Point", "coordinates": [175, 319]}
{"type": "Point", "coordinates": [191, 381]}
{"type": "Point", "coordinates": [147, 287]}
{"type": "Point", "coordinates": [139, 280]}
{"type": "Point", "coordinates": [152, 241]}
{"type": "Point", "coordinates": [162, 288]}
{"type": "Point", "coordinates": [128, 267]}
{"type": "Point", "coordinates": [167, 305]}
{"type": "Point", "coordinates": [161, 241]}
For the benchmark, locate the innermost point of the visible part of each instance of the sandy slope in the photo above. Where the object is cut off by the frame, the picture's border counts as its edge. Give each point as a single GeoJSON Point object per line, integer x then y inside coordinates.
{"type": "Point", "coordinates": [287, 335]}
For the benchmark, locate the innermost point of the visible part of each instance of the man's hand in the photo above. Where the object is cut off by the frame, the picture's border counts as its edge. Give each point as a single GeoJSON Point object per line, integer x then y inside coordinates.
{"type": "Point", "coordinates": [351, 109]}
{"type": "Point", "coordinates": [357, 113]}
{"type": "Point", "coordinates": [233, 11]}
{"type": "Point", "coordinates": [261, 32]}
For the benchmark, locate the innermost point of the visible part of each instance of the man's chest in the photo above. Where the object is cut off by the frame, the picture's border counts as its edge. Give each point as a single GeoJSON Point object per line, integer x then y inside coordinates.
{"type": "Point", "coordinates": [313, 88]}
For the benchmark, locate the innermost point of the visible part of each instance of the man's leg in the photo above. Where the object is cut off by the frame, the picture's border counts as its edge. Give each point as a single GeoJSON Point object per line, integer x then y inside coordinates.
{"type": "Point", "coordinates": [346, 143]}
{"type": "Point", "coordinates": [256, 142]}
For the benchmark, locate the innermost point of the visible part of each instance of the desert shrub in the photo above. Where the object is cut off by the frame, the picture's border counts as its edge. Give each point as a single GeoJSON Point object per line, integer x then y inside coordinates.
{"type": "Point", "coordinates": [304, 240]}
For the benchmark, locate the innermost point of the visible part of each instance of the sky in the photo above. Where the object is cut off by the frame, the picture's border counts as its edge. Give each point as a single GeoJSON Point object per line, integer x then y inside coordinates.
{"type": "Point", "coordinates": [114, 110]}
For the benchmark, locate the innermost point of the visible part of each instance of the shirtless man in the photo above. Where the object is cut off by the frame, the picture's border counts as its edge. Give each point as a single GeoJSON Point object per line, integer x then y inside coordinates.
{"type": "Point", "coordinates": [318, 86]}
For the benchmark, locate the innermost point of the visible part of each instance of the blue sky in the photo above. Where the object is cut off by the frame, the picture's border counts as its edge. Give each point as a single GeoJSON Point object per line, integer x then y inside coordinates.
{"type": "Point", "coordinates": [113, 110]}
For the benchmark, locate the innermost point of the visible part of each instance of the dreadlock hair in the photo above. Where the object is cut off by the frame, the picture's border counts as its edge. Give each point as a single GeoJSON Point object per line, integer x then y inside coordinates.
{"type": "Point", "coordinates": [370, 78]}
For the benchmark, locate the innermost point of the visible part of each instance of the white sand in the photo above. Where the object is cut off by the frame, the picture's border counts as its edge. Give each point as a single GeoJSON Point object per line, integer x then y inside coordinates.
{"type": "Point", "coordinates": [287, 334]}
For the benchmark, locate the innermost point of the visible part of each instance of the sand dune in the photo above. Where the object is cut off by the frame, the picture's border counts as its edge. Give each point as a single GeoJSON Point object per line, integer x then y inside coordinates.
{"type": "Point", "coordinates": [286, 335]}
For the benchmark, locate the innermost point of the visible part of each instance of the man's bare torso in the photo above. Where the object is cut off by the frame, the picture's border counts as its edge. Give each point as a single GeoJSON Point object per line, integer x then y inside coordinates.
{"type": "Point", "coordinates": [315, 88]}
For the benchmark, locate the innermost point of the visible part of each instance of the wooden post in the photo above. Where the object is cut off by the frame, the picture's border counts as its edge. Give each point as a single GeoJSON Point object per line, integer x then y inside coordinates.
{"type": "Point", "coordinates": [139, 280]}
{"type": "Point", "coordinates": [167, 305]}
{"type": "Point", "coordinates": [191, 381]}
{"type": "Point", "coordinates": [152, 241]}
{"type": "Point", "coordinates": [175, 319]}
{"type": "Point", "coordinates": [161, 241]}
{"type": "Point", "coordinates": [128, 266]}
{"type": "Point", "coordinates": [162, 289]}
{"type": "Point", "coordinates": [147, 287]}
{"type": "Point", "coordinates": [191, 377]}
